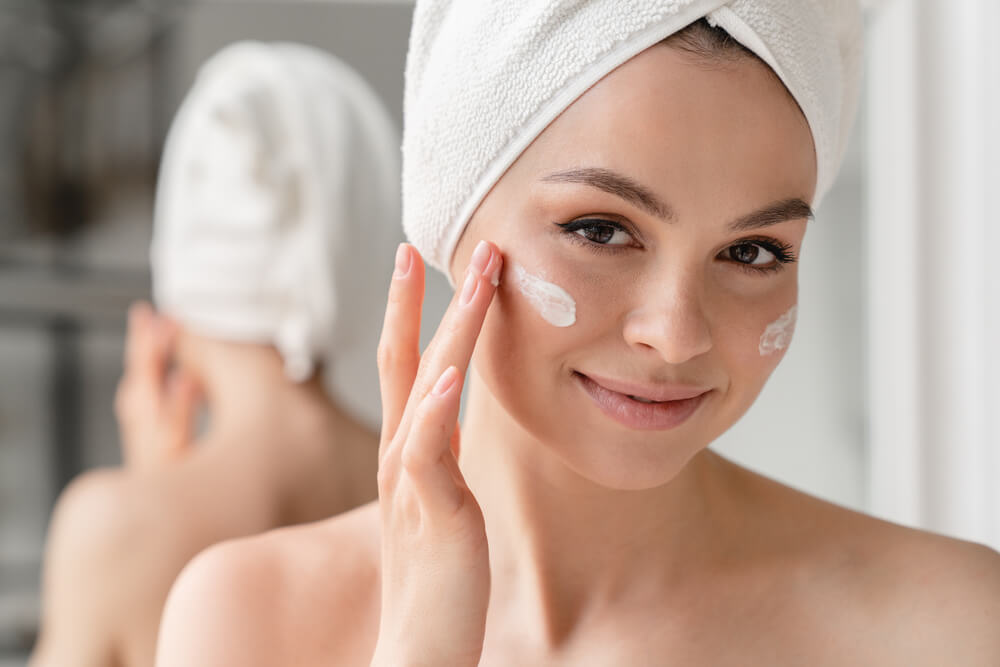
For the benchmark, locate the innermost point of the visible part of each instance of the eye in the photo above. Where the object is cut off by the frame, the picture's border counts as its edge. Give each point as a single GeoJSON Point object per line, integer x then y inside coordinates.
{"type": "Point", "coordinates": [599, 232]}
{"type": "Point", "coordinates": [752, 254]}
{"type": "Point", "coordinates": [759, 254]}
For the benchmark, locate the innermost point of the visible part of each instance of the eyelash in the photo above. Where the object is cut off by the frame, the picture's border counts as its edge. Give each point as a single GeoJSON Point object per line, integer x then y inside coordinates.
{"type": "Point", "coordinates": [782, 252]}
{"type": "Point", "coordinates": [571, 228]}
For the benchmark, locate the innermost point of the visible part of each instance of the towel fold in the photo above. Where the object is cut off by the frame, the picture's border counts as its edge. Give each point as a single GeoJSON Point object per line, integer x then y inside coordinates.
{"type": "Point", "coordinates": [483, 79]}
{"type": "Point", "coordinates": [277, 210]}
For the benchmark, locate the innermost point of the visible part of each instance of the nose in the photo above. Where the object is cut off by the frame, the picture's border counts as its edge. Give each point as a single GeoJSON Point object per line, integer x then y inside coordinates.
{"type": "Point", "coordinates": [669, 319]}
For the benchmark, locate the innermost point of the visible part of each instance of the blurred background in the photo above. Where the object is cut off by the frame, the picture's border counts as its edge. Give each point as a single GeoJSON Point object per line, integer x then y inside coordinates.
{"type": "Point", "coordinates": [883, 404]}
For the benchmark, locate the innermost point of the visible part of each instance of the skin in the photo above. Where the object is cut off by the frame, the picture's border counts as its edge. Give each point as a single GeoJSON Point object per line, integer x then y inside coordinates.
{"type": "Point", "coordinates": [156, 403]}
{"type": "Point", "coordinates": [547, 533]}
{"type": "Point", "coordinates": [275, 453]}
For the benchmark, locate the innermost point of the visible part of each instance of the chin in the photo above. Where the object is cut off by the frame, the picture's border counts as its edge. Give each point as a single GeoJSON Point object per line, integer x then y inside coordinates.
{"type": "Point", "coordinates": [633, 461]}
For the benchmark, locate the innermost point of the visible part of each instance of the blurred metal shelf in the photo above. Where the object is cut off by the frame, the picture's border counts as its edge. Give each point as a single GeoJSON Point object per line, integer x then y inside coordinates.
{"type": "Point", "coordinates": [48, 287]}
{"type": "Point", "coordinates": [18, 625]}
{"type": "Point", "coordinates": [89, 296]}
{"type": "Point", "coordinates": [39, 283]}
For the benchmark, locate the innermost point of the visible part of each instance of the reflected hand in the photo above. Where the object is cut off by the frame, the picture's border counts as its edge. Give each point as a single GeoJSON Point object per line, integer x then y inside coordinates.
{"type": "Point", "coordinates": [435, 561]}
{"type": "Point", "coordinates": [155, 405]}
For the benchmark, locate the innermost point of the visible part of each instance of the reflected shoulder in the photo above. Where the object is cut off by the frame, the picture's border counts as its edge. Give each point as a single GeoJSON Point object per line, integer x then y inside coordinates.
{"type": "Point", "coordinates": [86, 557]}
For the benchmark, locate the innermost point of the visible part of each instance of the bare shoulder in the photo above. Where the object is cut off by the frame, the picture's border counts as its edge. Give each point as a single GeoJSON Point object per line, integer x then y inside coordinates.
{"type": "Point", "coordinates": [96, 532]}
{"type": "Point", "coordinates": [938, 598]}
{"type": "Point", "coordinates": [112, 519]}
{"type": "Point", "coordinates": [300, 595]}
{"type": "Point", "coordinates": [90, 512]}
{"type": "Point", "coordinates": [907, 596]}
{"type": "Point", "coordinates": [95, 578]}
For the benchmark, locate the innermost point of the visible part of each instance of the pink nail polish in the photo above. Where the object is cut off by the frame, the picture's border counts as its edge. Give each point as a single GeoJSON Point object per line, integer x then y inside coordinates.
{"type": "Point", "coordinates": [495, 276]}
{"type": "Point", "coordinates": [481, 257]}
{"type": "Point", "coordinates": [446, 381]}
{"type": "Point", "coordinates": [470, 288]}
{"type": "Point", "coordinates": [404, 260]}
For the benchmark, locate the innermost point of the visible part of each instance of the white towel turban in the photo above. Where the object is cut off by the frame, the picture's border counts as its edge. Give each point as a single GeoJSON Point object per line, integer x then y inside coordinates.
{"type": "Point", "coordinates": [483, 79]}
{"type": "Point", "coordinates": [277, 212]}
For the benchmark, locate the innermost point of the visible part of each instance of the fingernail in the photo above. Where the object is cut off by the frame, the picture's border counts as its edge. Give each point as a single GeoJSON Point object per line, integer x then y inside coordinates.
{"type": "Point", "coordinates": [446, 381]}
{"type": "Point", "coordinates": [404, 260]}
{"type": "Point", "coordinates": [469, 288]}
{"type": "Point", "coordinates": [495, 276]}
{"type": "Point", "coordinates": [481, 257]}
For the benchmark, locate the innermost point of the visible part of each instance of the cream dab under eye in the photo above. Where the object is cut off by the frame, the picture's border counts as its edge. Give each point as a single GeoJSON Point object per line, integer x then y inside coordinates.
{"type": "Point", "coordinates": [552, 302]}
{"type": "Point", "coordinates": [778, 334]}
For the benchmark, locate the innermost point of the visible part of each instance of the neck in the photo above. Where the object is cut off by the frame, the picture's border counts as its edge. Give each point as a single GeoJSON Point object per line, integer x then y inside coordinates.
{"type": "Point", "coordinates": [569, 543]}
{"type": "Point", "coordinates": [247, 402]}
{"type": "Point", "coordinates": [290, 438]}
{"type": "Point", "coordinates": [251, 400]}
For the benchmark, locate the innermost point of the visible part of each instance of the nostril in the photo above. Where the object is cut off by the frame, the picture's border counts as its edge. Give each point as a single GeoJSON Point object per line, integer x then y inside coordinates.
{"type": "Point", "coordinates": [675, 338]}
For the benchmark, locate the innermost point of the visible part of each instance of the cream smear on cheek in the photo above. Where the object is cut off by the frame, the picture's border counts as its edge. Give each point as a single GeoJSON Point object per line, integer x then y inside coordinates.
{"type": "Point", "coordinates": [552, 302]}
{"type": "Point", "coordinates": [778, 334]}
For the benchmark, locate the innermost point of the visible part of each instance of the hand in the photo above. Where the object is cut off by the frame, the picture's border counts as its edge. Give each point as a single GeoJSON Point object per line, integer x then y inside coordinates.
{"type": "Point", "coordinates": [435, 561]}
{"type": "Point", "coordinates": [155, 405]}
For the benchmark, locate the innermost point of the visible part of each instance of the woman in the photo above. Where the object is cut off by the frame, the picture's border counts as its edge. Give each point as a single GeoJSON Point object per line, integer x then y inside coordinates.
{"type": "Point", "coordinates": [626, 282]}
{"type": "Point", "coordinates": [276, 154]}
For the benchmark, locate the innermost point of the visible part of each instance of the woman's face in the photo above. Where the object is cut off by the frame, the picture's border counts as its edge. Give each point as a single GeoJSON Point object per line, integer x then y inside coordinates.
{"type": "Point", "coordinates": [669, 204]}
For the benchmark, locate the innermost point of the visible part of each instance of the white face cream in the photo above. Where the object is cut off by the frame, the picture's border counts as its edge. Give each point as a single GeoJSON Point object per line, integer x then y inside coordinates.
{"type": "Point", "coordinates": [552, 302]}
{"type": "Point", "coordinates": [778, 334]}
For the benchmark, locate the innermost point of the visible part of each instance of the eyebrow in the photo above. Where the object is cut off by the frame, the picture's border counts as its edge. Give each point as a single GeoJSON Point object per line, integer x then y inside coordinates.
{"type": "Point", "coordinates": [772, 214]}
{"type": "Point", "coordinates": [616, 184]}
{"type": "Point", "coordinates": [635, 193]}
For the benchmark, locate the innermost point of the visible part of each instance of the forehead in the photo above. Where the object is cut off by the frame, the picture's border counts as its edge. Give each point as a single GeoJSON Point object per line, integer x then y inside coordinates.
{"type": "Point", "coordinates": [695, 131]}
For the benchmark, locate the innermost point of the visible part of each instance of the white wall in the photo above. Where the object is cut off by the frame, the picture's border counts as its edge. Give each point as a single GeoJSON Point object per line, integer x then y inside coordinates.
{"type": "Point", "coordinates": [934, 164]}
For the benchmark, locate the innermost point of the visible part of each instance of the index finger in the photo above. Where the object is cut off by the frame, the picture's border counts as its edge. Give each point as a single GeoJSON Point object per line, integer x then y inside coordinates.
{"type": "Point", "coordinates": [140, 313]}
{"type": "Point", "coordinates": [455, 339]}
{"type": "Point", "coordinates": [399, 343]}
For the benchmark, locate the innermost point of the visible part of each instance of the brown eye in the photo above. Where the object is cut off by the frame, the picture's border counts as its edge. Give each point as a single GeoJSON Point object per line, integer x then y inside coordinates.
{"type": "Point", "coordinates": [599, 232]}
{"type": "Point", "coordinates": [750, 253]}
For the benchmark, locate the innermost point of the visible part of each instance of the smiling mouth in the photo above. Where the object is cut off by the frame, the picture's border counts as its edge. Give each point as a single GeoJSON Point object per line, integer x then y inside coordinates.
{"type": "Point", "coordinates": [670, 406]}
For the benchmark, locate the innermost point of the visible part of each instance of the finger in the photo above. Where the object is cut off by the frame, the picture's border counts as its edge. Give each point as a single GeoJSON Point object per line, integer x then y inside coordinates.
{"type": "Point", "coordinates": [164, 344]}
{"type": "Point", "coordinates": [428, 445]}
{"type": "Point", "coordinates": [183, 398]}
{"type": "Point", "coordinates": [455, 339]}
{"type": "Point", "coordinates": [139, 315]}
{"type": "Point", "coordinates": [456, 441]}
{"type": "Point", "coordinates": [399, 344]}
{"type": "Point", "coordinates": [152, 340]}
{"type": "Point", "coordinates": [122, 404]}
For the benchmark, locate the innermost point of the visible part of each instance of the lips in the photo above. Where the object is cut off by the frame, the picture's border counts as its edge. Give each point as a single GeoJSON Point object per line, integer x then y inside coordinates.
{"type": "Point", "coordinates": [643, 406]}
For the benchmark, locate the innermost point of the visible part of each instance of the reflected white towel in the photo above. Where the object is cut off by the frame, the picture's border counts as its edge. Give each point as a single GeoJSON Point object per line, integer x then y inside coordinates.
{"type": "Point", "coordinates": [277, 210]}
{"type": "Point", "coordinates": [483, 79]}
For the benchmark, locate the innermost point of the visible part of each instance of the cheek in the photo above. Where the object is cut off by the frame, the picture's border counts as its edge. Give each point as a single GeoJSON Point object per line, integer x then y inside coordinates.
{"type": "Point", "coordinates": [532, 320]}
{"type": "Point", "coordinates": [753, 336]}
{"type": "Point", "coordinates": [552, 303]}
{"type": "Point", "coordinates": [522, 357]}
{"type": "Point", "coordinates": [778, 334]}
{"type": "Point", "coordinates": [519, 357]}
